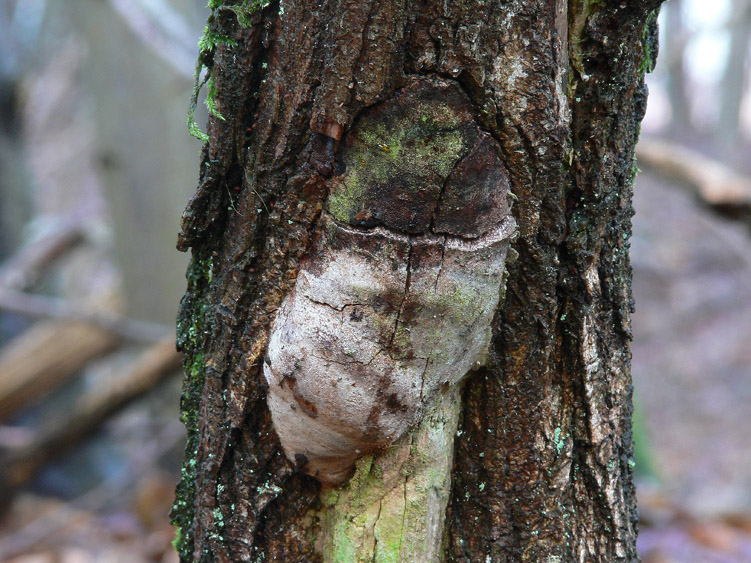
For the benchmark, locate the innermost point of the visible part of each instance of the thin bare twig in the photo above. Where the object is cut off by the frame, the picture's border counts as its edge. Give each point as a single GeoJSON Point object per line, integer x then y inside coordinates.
{"type": "Point", "coordinates": [165, 32]}
{"type": "Point", "coordinates": [28, 264]}
{"type": "Point", "coordinates": [56, 308]}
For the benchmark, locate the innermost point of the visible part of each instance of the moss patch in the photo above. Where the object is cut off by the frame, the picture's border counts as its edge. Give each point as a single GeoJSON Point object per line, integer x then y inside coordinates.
{"type": "Point", "coordinates": [387, 511]}
{"type": "Point", "coordinates": [398, 156]}
{"type": "Point", "coordinates": [207, 45]}
{"type": "Point", "coordinates": [191, 340]}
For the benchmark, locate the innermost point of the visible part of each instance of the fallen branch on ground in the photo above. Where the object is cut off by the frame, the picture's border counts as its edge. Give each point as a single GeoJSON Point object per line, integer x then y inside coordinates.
{"type": "Point", "coordinates": [44, 357]}
{"type": "Point", "coordinates": [86, 416]}
{"type": "Point", "coordinates": [714, 183]}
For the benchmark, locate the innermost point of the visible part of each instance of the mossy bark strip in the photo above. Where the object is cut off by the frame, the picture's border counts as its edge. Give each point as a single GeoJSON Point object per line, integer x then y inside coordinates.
{"type": "Point", "coordinates": [392, 509]}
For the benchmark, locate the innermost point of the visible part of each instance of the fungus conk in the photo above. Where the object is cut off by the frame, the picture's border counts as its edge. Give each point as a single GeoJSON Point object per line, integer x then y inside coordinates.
{"type": "Point", "coordinates": [394, 303]}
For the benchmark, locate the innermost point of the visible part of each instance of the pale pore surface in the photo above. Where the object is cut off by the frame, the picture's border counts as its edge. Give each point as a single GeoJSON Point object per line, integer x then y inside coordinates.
{"type": "Point", "coordinates": [377, 324]}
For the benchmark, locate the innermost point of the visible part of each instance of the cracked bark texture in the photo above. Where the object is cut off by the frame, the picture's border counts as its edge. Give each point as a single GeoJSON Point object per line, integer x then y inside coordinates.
{"type": "Point", "coordinates": [542, 464]}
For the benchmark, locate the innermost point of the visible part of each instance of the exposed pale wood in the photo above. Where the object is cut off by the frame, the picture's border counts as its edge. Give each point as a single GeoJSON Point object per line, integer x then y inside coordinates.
{"type": "Point", "coordinates": [45, 356]}
{"type": "Point", "coordinates": [85, 417]}
{"type": "Point", "coordinates": [391, 508]}
{"type": "Point", "coordinates": [713, 182]}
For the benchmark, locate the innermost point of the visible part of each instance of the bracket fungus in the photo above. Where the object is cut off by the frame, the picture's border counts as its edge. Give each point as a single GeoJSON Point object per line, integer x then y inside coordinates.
{"type": "Point", "coordinates": [395, 301]}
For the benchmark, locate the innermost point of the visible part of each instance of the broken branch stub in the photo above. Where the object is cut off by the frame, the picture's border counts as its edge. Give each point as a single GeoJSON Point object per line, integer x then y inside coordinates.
{"type": "Point", "coordinates": [394, 303]}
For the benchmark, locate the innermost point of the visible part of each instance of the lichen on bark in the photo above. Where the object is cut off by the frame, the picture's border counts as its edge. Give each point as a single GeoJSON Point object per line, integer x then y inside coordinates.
{"type": "Point", "coordinates": [390, 510]}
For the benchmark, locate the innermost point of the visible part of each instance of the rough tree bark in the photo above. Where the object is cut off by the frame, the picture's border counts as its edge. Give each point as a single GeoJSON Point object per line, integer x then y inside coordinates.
{"type": "Point", "coordinates": [532, 456]}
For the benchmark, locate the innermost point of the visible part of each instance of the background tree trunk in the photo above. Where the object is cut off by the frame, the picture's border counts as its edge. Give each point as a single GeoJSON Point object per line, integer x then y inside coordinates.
{"type": "Point", "coordinates": [734, 78]}
{"type": "Point", "coordinates": [672, 49]}
{"type": "Point", "coordinates": [543, 459]}
{"type": "Point", "coordinates": [143, 176]}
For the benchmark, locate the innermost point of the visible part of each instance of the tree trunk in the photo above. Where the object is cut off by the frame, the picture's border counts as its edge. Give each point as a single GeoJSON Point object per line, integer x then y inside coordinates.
{"type": "Point", "coordinates": [527, 458]}
{"type": "Point", "coordinates": [672, 51]}
{"type": "Point", "coordinates": [735, 77]}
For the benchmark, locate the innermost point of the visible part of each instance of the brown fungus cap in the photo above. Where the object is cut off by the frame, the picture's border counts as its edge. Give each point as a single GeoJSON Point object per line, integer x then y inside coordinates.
{"type": "Point", "coordinates": [418, 163]}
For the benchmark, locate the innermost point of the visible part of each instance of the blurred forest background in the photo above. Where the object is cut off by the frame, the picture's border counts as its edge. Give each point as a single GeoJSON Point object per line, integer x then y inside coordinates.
{"type": "Point", "coordinates": [96, 166]}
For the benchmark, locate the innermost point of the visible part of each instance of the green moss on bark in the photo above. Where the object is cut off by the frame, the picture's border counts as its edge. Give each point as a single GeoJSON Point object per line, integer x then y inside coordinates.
{"type": "Point", "coordinates": [211, 38]}
{"type": "Point", "coordinates": [191, 339]}
{"type": "Point", "coordinates": [392, 509]}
